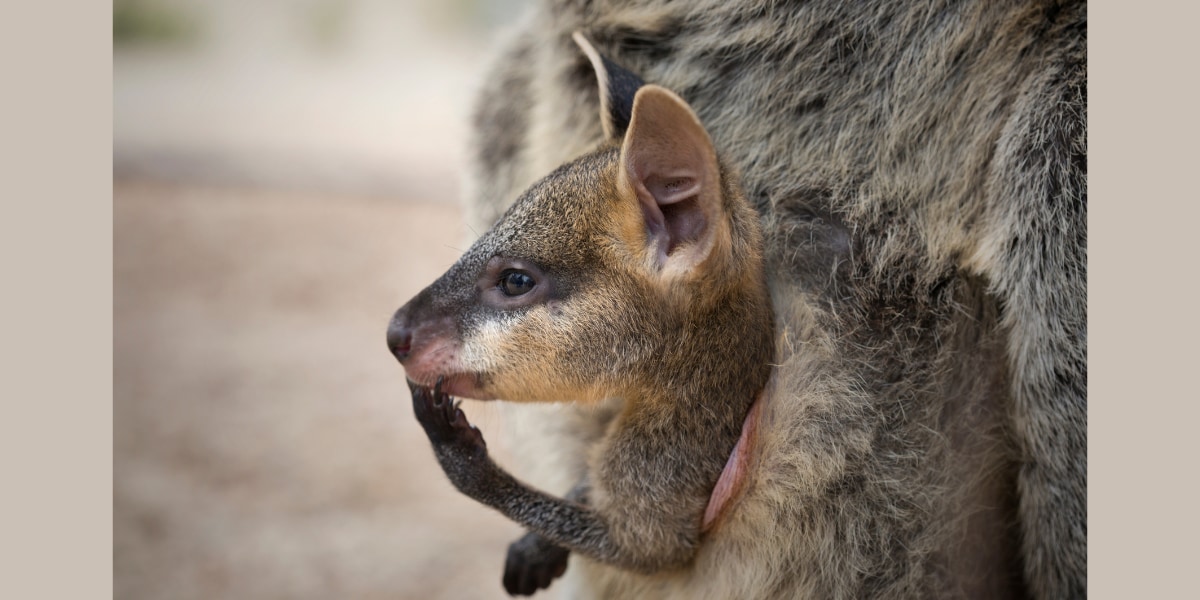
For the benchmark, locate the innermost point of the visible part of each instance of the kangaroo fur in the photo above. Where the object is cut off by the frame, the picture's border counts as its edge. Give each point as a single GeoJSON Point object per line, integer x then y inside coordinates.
{"type": "Point", "coordinates": [919, 170]}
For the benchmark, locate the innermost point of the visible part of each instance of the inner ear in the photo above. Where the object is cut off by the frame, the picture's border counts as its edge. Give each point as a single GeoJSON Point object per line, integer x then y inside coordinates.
{"type": "Point", "coordinates": [617, 87]}
{"type": "Point", "coordinates": [668, 163]}
{"type": "Point", "coordinates": [675, 210]}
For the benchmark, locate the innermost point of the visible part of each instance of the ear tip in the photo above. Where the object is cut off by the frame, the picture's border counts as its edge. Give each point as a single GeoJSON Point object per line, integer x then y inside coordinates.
{"type": "Point", "coordinates": [653, 92]}
{"type": "Point", "coordinates": [656, 96]}
{"type": "Point", "coordinates": [659, 112]}
{"type": "Point", "coordinates": [589, 50]}
{"type": "Point", "coordinates": [583, 42]}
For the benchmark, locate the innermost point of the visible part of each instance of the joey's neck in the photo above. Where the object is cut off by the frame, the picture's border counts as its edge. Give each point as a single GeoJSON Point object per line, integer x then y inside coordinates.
{"type": "Point", "coordinates": [719, 359]}
{"type": "Point", "coordinates": [691, 392]}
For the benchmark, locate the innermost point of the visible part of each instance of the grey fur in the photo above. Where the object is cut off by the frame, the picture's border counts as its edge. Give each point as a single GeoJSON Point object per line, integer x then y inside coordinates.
{"type": "Point", "coordinates": [920, 172]}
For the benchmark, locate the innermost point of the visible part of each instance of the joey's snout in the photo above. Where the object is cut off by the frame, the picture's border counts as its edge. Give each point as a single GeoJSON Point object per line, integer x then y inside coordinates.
{"type": "Point", "coordinates": [408, 328]}
{"type": "Point", "coordinates": [412, 334]}
{"type": "Point", "coordinates": [399, 338]}
{"type": "Point", "coordinates": [427, 345]}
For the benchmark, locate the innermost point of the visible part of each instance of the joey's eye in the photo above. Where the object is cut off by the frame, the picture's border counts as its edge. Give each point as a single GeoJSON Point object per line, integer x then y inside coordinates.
{"type": "Point", "coordinates": [515, 283]}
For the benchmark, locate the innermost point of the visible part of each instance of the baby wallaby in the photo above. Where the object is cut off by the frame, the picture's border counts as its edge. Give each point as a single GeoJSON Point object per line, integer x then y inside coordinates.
{"type": "Point", "coordinates": [633, 272]}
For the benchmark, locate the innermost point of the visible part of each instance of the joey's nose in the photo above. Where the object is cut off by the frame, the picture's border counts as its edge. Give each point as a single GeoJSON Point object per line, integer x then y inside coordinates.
{"type": "Point", "coordinates": [399, 339]}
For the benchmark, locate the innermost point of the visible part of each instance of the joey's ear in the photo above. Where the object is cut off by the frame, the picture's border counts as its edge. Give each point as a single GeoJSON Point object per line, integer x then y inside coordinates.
{"type": "Point", "coordinates": [668, 163]}
{"type": "Point", "coordinates": [617, 88]}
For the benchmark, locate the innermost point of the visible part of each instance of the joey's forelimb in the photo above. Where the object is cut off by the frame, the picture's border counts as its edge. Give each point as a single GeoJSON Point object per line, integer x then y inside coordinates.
{"type": "Point", "coordinates": [533, 561]}
{"type": "Point", "coordinates": [573, 526]}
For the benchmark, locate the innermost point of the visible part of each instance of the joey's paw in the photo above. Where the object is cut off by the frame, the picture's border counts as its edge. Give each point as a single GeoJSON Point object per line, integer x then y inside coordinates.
{"type": "Point", "coordinates": [532, 563]}
{"type": "Point", "coordinates": [443, 420]}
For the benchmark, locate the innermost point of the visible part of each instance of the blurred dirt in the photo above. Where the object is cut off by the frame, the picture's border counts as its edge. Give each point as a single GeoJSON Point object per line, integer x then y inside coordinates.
{"type": "Point", "coordinates": [264, 439]}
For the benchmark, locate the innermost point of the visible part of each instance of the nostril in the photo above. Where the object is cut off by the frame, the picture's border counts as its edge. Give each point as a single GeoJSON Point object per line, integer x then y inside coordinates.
{"type": "Point", "coordinates": [399, 340]}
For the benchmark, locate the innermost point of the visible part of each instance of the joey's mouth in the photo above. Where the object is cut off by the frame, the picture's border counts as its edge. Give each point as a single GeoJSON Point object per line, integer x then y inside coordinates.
{"type": "Point", "coordinates": [461, 385]}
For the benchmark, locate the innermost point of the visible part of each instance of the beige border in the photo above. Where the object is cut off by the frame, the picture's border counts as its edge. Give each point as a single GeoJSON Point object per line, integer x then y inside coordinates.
{"type": "Point", "coordinates": [56, 260]}
{"type": "Point", "coordinates": [1143, 216]}
{"type": "Point", "coordinates": [57, 239]}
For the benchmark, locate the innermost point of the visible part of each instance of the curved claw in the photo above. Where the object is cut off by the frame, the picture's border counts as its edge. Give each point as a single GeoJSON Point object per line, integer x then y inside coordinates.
{"type": "Point", "coordinates": [442, 418]}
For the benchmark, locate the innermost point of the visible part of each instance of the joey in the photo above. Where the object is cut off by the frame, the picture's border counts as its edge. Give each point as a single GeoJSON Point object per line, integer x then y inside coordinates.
{"type": "Point", "coordinates": [632, 272]}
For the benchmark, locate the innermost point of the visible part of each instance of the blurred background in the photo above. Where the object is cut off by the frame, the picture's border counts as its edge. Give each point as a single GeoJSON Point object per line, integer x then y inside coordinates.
{"type": "Point", "coordinates": [286, 175]}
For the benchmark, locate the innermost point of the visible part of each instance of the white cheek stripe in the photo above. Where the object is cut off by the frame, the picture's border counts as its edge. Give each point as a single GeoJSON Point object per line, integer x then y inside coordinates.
{"type": "Point", "coordinates": [482, 346]}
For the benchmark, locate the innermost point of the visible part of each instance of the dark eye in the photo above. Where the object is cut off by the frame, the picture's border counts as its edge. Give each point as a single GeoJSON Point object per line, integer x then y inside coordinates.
{"type": "Point", "coordinates": [516, 283]}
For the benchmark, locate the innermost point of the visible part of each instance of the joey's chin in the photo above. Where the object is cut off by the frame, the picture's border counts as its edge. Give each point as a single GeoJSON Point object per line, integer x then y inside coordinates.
{"type": "Point", "coordinates": [459, 385]}
{"type": "Point", "coordinates": [466, 386]}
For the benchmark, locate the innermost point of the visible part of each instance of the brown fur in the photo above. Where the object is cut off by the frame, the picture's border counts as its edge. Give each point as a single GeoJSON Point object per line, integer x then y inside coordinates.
{"type": "Point", "coordinates": [919, 170]}
{"type": "Point", "coordinates": [648, 277]}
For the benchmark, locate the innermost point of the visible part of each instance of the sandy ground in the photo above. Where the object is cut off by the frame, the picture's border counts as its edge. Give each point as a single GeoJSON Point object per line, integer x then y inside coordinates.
{"type": "Point", "coordinates": [264, 442]}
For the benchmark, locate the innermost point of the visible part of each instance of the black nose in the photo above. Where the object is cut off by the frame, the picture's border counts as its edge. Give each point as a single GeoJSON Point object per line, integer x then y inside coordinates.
{"type": "Point", "coordinates": [399, 339]}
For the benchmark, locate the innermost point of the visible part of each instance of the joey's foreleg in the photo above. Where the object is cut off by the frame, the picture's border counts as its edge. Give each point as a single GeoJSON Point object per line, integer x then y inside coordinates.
{"type": "Point", "coordinates": [458, 445]}
{"type": "Point", "coordinates": [461, 451]}
{"type": "Point", "coordinates": [533, 561]}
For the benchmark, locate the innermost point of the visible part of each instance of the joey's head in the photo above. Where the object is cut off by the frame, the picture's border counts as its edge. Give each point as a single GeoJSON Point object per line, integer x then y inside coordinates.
{"type": "Point", "coordinates": [637, 258]}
